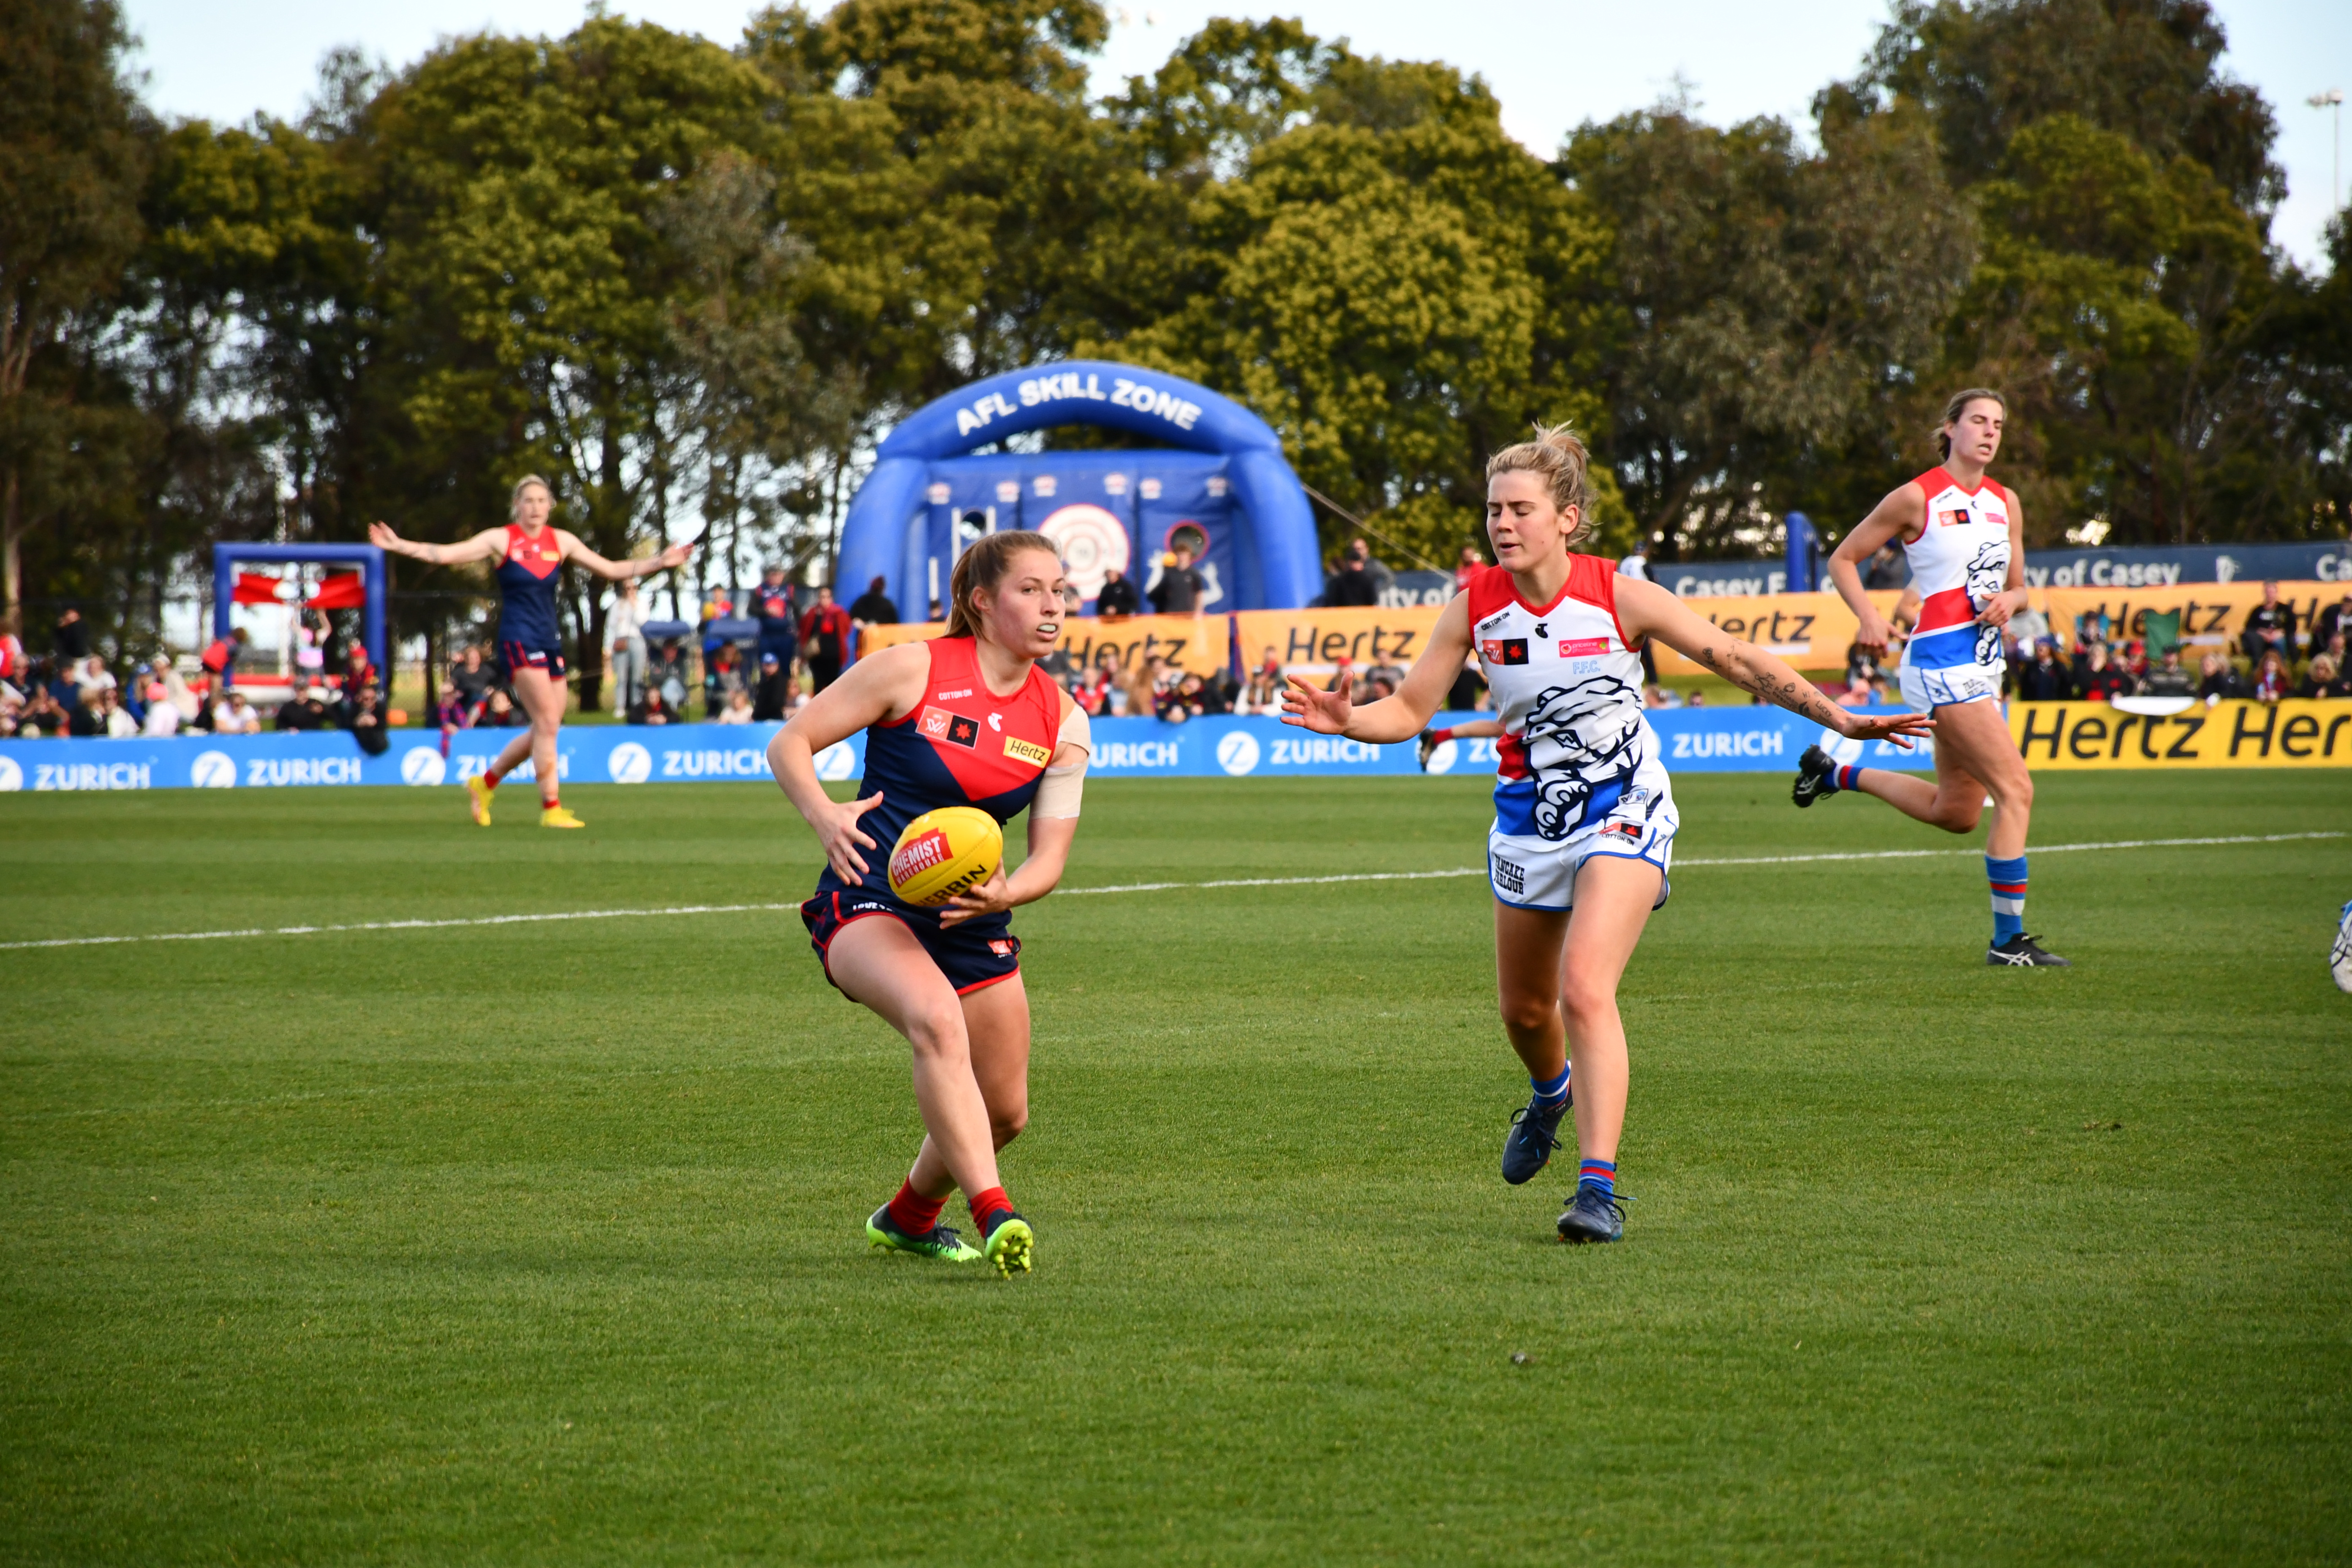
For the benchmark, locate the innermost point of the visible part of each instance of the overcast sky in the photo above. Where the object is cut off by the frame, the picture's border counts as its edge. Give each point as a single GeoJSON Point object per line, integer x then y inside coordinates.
{"type": "Point", "coordinates": [1551, 65]}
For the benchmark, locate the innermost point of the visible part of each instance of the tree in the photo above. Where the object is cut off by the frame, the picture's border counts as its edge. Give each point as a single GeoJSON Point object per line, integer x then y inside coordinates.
{"type": "Point", "coordinates": [524, 287]}
{"type": "Point", "coordinates": [1387, 277]}
{"type": "Point", "coordinates": [71, 157]}
{"type": "Point", "coordinates": [1765, 307]}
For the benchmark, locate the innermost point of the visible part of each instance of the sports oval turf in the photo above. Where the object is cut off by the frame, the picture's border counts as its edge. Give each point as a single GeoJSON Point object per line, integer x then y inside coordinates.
{"type": "Point", "coordinates": [540, 1242]}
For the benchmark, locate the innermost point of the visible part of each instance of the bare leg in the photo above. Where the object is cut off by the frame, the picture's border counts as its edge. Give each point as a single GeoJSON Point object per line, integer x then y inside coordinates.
{"type": "Point", "coordinates": [1527, 945]}
{"type": "Point", "coordinates": [996, 1024]}
{"type": "Point", "coordinates": [878, 962]}
{"type": "Point", "coordinates": [1613, 895]}
{"type": "Point", "coordinates": [1955, 800]}
{"type": "Point", "coordinates": [1975, 736]}
{"type": "Point", "coordinates": [543, 699]}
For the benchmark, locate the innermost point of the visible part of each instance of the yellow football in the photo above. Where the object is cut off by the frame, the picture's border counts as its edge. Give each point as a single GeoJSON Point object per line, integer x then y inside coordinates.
{"type": "Point", "coordinates": [944, 852]}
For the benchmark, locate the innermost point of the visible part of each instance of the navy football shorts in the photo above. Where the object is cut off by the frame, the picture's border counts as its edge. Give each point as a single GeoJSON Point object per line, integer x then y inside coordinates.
{"type": "Point", "coordinates": [974, 955]}
{"type": "Point", "coordinates": [515, 654]}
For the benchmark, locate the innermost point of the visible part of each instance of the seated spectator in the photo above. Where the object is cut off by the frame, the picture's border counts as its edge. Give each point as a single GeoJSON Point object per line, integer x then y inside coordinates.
{"type": "Point", "coordinates": [501, 713]}
{"type": "Point", "coordinates": [738, 709]}
{"type": "Point", "coordinates": [2169, 678]}
{"type": "Point", "coordinates": [2216, 680]}
{"type": "Point", "coordinates": [1654, 696]}
{"type": "Point", "coordinates": [2325, 678]}
{"type": "Point", "coordinates": [1263, 694]}
{"type": "Point", "coordinates": [1342, 666]}
{"type": "Point", "coordinates": [2098, 680]}
{"type": "Point", "coordinates": [91, 676]}
{"type": "Point", "coordinates": [667, 671]}
{"type": "Point", "coordinates": [42, 716]}
{"type": "Point", "coordinates": [2272, 679]}
{"type": "Point", "coordinates": [1143, 686]}
{"type": "Point", "coordinates": [362, 715]}
{"type": "Point", "coordinates": [1092, 691]}
{"type": "Point", "coordinates": [2043, 678]}
{"type": "Point", "coordinates": [1697, 699]}
{"type": "Point", "coordinates": [1890, 568]}
{"type": "Point", "coordinates": [88, 719]}
{"type": "Point", "coordinates": [234, 714]}
{"type": "Point", "coordinates": [1858, 692]}
{"type": "Point", "coordinates": [472, 680]}
{"type": "Point", "coordinates": [454, 712]}
{"type": "Point", "coordinates": [2333, 621]}
{"type": "Point", "coordinates": [651, 708]}
{"type": "Point", "coordinates": [722, 676]}
{"type": "Point", "coordinates": [1117, 597]}
{"type": "Point", "coordinates": [773, 700]}
{"type": "Point", "coordinates": [162, 713]}
{"type": "Point", "coordinates": [2269, 627]}
{"type": "Point", "coordinates": [1352, 582]}
{"type": "Point", "coordinates": [1179, 701]}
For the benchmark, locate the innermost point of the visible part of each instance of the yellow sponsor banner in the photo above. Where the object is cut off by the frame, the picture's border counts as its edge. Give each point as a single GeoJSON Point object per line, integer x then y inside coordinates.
{"type": "Point", "coordinates": [2233, 734]}
{"type": "Point", "coordinates": [1364, 637]}
{"type": "Point", "coordinates": [1196, 643]}
{"type": "Point", "coordinates": [2210, 612]}
{"type": "Point", "coordinates": [1810, 631]}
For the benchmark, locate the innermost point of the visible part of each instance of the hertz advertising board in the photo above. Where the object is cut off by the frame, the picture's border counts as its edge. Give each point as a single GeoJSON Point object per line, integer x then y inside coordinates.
{"type": "Point", "coordinates": [2235, 735]}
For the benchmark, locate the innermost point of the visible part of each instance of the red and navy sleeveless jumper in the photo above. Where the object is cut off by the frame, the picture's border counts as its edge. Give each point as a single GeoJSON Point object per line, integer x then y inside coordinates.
{"type": "Point", "coordinates": [529, 637]}
{"type": "Point", "coordinates": [962, 745]}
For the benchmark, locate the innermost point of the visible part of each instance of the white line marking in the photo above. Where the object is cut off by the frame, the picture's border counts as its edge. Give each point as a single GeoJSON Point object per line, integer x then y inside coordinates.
{"type": "Point", "coordinates": [1121, 888]}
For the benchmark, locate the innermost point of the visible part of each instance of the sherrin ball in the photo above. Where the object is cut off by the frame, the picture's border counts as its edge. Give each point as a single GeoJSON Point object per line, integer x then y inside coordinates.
{"type": "Point", "coordinates": [943, 852]}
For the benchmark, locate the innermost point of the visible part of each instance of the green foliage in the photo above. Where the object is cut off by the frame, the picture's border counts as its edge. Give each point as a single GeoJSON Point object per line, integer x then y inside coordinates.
{"type": "Point", "coordinates": [681, 279]}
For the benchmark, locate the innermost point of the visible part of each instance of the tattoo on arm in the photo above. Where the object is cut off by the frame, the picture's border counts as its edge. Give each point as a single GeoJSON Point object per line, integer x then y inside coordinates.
{"type": "Point", "coordinates": [1797, 696]}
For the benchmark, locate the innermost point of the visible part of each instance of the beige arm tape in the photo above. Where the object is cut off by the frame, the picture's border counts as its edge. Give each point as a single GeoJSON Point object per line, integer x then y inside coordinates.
{"type": "Point", "coordinates": [1059, 791]}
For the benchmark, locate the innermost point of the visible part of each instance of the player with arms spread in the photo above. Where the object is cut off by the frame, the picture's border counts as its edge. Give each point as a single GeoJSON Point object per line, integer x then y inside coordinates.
{"type": "Point", "coordinates": [529, 554]}
{"type": "Point", "coordinates": [1584, 816]}
{"type": "Point", "coordinates": [967, 718]}
{"type": "Point", "coordinates": [1965, 536]}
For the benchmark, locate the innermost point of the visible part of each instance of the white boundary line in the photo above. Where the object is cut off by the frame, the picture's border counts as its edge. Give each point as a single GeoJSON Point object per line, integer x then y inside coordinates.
{"type": "Point", "coordinates": [1122, 888]}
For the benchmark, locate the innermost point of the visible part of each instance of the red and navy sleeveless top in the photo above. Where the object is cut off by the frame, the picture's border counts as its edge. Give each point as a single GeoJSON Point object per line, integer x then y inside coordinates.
{"type": "Point", "coordinates": [526, 576]}
{"type": "Point", "coordinates": [962, 745]}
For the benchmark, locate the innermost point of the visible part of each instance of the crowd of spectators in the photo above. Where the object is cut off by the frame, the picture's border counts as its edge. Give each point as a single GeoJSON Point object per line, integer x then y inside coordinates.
{"type": "Point", "coordinates": [2270, 658]}
{"type": "Point", "coordinates": [72, 692]}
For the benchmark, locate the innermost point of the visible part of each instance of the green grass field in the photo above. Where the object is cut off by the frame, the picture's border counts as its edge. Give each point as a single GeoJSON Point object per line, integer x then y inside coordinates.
{"type": "Point", "coordinates": [541, 1243]}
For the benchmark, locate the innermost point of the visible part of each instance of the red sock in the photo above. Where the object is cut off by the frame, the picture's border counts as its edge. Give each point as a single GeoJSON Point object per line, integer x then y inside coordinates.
{"type": "Point", "coordinates": [985, 1205]}
{"type": "Point", "coordinates": [548, 803]}
{"type": "Point", "coordinates": [489, 778]}
{"type": "Point", "coordinates": [913, 1213]}
{"type": "Point", "coordinates": [1439, 737]}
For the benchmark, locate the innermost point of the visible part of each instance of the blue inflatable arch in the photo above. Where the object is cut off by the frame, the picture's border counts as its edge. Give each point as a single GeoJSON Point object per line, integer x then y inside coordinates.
{"type": "Point", "coordinates": [1221, 475]}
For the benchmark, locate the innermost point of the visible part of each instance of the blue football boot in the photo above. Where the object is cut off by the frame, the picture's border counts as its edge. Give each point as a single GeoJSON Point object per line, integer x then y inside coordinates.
{"type": "Point", "coordinates": [1595, 1215]}
{"type": "Point", "coordinates": [1534, 1133]}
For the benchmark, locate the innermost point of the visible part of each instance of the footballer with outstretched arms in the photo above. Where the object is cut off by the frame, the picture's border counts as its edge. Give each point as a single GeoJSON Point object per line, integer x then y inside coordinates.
{"type": "Point", "coordinates": [1584, 814]}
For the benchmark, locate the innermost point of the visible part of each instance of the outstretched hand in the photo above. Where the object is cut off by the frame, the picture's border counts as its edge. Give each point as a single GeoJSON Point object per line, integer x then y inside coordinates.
{"type": "Point", "coordinates": [380, 535]}
{"type": "Point", "coordinates": [675, 556]}
{"type": "Point", "coordinates": [1892, 728]}
{"type": "Point", "coordinates": [837, 830]}
{"type": "Point", "coordinates": [1325, 712]}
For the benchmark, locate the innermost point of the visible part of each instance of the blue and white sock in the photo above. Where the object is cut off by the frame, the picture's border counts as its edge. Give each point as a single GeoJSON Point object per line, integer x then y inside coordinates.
{"type": "Point", "coordinates": [1550, 1092]}
{"type": "Point", "coordinates": [2008, 880]}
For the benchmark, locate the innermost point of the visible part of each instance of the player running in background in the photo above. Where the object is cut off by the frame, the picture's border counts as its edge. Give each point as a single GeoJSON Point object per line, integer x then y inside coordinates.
{"type": "Point", "coordinates": [1584, 816]}
{"type": "Point", "coordinates": [1965, 536]}
{"type": "Point", "coordinates": [967, 718]}
{"type": "Point", "coordinates": [529, 554]}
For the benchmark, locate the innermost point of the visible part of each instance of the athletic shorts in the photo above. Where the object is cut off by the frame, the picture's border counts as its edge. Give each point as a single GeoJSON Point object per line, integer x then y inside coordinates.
{"type": "Point", "coordinates": [972, 959]}
{"type": "Point", "coordinates": [1928, 689]}
{"type": "Point", "coordinates": [1538, 874]}
{"type": "Point", "coordinates": [515, 654]}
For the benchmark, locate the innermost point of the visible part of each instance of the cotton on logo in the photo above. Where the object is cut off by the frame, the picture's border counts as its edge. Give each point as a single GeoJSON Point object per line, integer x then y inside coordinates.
{"type": "Point", "coordinates": [12, 777]}
{"type": "Point", "coordinates": [1237, 753]}
{"type": "Point", "coordinates": [836, 762]}
{"type": "Point", "coordinates": [212, 770]}
{"type": "Point", "coordinates": [423, 766]}
{"type": "Point", "coordinates": [629, 763]}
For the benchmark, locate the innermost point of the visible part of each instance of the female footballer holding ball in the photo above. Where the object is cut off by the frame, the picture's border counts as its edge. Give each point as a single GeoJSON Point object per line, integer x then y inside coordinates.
{"type": "Point", "coordinates": [964, 719]}
{"type": "Point", "coordinates": [1584, 814]}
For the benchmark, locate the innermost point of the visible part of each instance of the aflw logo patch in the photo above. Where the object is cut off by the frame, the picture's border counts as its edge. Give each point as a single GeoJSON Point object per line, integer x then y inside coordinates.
{"type": "Point", "coordinates": [919, 854]}
{"type": "Point", "coordinates": [939, 724]}
{"type": "Point", "coordinates": [1027, 750]}
{"type": "Point", "coordinates": [1504, 650]}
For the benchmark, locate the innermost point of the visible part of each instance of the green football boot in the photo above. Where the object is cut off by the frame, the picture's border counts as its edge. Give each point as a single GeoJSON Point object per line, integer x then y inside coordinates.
{"type": "Point", "coordinates": [1009, 1244]}
{"type": "Point", "coordinates": [882, 1233]}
